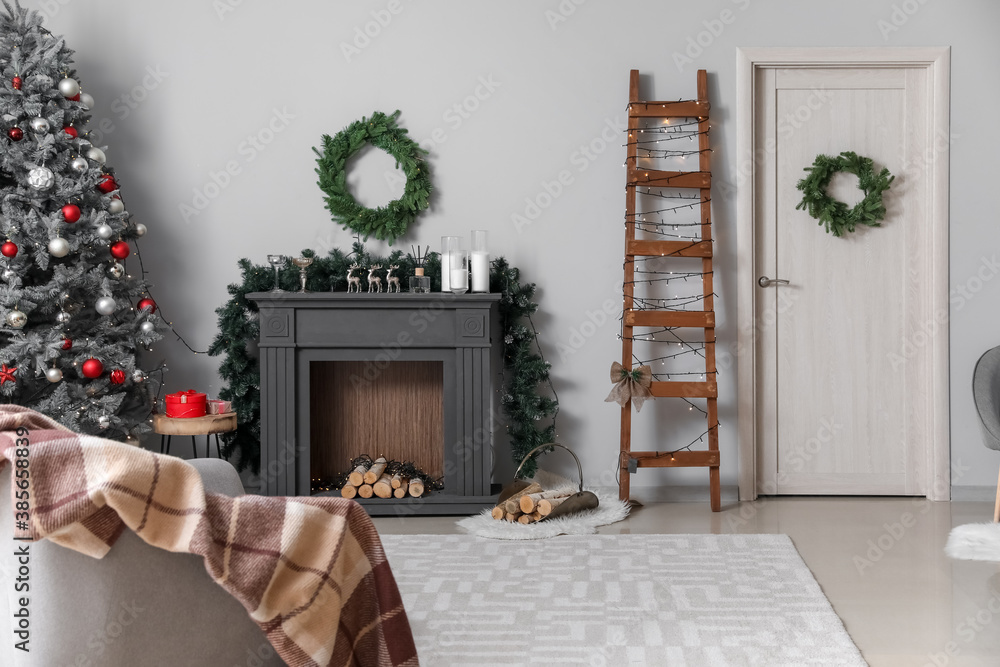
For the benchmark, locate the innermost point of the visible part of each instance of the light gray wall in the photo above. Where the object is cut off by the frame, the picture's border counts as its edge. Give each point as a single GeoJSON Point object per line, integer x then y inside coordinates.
{"type": "Point", "coordinates": [226, 66]}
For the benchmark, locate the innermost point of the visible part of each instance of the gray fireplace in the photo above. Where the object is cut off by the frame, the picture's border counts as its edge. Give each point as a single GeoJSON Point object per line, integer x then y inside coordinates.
{"type": "Point", "coordinates": [404, 375]}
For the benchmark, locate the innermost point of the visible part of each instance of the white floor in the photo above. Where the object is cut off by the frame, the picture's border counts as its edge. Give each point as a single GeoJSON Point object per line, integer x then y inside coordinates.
{"type": "Point", "coordinates": [880, 561]}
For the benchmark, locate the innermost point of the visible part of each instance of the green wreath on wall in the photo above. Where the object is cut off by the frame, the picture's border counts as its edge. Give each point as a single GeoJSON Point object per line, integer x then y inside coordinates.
{"type": "Point", "coordinates": [836, 216]}
{"type": "Point", "coordinates": [388, 222]}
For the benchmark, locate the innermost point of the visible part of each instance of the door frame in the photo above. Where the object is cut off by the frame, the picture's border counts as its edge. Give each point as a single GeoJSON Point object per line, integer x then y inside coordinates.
{"type": "Point", "coordinates": [749, 61]}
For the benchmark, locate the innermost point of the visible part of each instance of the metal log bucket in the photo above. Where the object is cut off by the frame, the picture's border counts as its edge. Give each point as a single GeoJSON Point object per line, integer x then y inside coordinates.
{"type": "Point", "coordinates": [579, 501]}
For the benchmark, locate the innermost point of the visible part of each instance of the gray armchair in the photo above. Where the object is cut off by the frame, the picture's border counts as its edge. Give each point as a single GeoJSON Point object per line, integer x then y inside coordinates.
{"type": "Point", "coordinates": [986, 394]}
{"type": "Point", "coordinates": [139, 605]}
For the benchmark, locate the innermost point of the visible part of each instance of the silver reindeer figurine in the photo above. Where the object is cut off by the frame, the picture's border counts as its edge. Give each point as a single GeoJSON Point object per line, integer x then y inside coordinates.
{"type": "Point", "coordinates": [353, 280]}
{"type": "Point", "coordinates": [390, 279]}
{"type": "Point", "coordinates": [373, 279]}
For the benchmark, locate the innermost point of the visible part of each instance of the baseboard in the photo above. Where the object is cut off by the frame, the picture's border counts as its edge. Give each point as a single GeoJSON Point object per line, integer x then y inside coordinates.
{"type": "Point", "coordinates": [676, 494]}
{"type": "Point", "coordinates": [973, 494]}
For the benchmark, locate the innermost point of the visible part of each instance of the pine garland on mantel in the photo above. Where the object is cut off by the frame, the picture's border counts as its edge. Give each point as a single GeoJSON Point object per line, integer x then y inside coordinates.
{"type": "Point", "coordinates": [524, 369]}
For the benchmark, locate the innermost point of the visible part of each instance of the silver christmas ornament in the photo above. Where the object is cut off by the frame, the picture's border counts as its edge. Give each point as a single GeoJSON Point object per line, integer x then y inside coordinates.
{"type": "Point", "coordinates": [115, 206]}
{"type": "Point", "coordinates": [105, 231]}
{"type": "Point", "coordinates": [69, 87]}
{"type": "Point", "coordinates": [63, 317]}
{"type": "Point", "coordinates": [39, 125]}
{"type": "Point", "coordinates": [79, 164]}
{"type": "Point", "coordinates": [9, 274]}
{"type": "Point", "coordinates": [106, 305]}
{"type": "Point", "coordinates": [59, 247]}
{"type": "Point", "coordinates": [97, 155]}
{"type": "Point", "coordinates": [138, 376]}
{"type": "Point", "coordinates": [147, 327]}
{"type": "Point", "coordinates": [41, 178]}
{"type": "Point", "coordinates": [140, 229]}
{"type": "Point", "coordinates": [104, 421]}
{"type": "Point", "coordinates": [53, 375]}
{"type": "Point", "coordinates": [86, 100]}
{"type": "Point", "coordinates": [16, 318]}
{"type": "Point", "coordinates": [116, 271]}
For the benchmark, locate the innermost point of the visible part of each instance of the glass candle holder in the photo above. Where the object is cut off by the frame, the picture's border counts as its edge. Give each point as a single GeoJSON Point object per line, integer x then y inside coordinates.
{"type": "Point", "coordinates": [480, 262]}
{"type": "Point", "coordinates": [449, 244]}
{"type": "Point", "coordinates": [459, 272]}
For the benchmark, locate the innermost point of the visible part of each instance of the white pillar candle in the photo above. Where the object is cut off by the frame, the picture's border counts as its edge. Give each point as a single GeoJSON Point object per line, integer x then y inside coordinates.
{"type": "Point", "coordinates": [459, 279]}
{"type": "Point", "coordinates": [480, 271]}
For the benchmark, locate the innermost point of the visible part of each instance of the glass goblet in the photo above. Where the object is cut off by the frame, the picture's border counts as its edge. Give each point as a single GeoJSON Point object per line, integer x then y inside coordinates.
{"type": "Point", "coordinates": [277, 261]}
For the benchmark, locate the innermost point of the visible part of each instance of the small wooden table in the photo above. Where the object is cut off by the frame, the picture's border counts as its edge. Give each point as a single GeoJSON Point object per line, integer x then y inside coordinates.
{"type": "Point", "coordinates": [207, 426]}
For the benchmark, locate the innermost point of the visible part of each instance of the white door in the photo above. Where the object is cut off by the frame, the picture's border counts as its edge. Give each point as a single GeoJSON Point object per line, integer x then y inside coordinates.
{"type": "Point", "coordinates": [844, 354]}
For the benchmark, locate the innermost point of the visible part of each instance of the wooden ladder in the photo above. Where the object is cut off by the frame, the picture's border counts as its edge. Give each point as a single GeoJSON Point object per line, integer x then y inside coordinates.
{"type": "Point", "coordinates": [630, 461]}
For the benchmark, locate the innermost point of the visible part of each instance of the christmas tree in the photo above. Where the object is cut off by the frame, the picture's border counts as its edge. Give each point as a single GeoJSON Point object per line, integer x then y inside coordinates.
{"type": "Point", "coordinates": [72, 313]}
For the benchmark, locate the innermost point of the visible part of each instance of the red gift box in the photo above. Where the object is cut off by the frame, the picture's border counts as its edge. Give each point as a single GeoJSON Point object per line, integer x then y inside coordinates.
{"type": "Point", "coordinates": [188, 403]}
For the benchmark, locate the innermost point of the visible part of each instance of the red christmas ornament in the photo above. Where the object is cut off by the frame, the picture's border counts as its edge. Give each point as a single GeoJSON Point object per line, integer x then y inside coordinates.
{"type": "Point", "coordinates": [67, 343]}
{"type": "Point", "coordinates": [71, 131]}
{"type": "Point", "coordinates": [15, 133]}
{"type": "Point", "coordinates": [117, 376]}
{"type": "Point", "coordinates": [7, 374]}
{"type": "Point", "coordinates": [16, 82]}
{"type": "Point", "coordinates": [8, 249]}
{"type": "Point", "coordinates": [107, 184]}
{"type": "Point", "coordinates": [75, 98]}
{"type": "Point", "coordinates": [119, 250]}
{"type": "Point", "coordinates": [71, 212]}
{"type": "Point", "coordinates": [146, 304]}
{"type": "Point", "coordinates": [92, 368]}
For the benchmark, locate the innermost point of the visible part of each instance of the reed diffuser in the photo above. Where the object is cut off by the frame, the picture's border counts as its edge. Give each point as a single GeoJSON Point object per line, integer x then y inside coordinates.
{"type": "Point", "coordinates": [419, 283]}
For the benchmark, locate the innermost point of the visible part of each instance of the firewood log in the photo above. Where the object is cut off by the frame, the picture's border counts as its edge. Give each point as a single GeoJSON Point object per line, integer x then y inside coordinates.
{"type": "Point", "coordinates": [513, 504]}
{"type": "Point", "coordinates": [536, 516]}
{"type": "Point", "coordinates": [498, 513]}
{"type": "Point", "coordinates": [512, 516]}
{"type": "Point", "coordinates": [357, 476]}
{"type": "Point", "coordinates": [416, 487]}
{"type": "Point", "coordinates": [403, 488]}
{"type": "Point", "coordinates": [365, 491]}
{"type": "Point", "coordinates": [349, 491]}
{"type": "Point", "coordinates": [530, 501]}
{"type": "Point", "coordinates": [383, 487]}
{"type": "Point", "coordinates": [376, 470]}
{"type": "Point", "coordinates": [546, 505]}
{"type": "Point", "coordinates": [398, 480]}
{"type": "Point", "coordinates": [525, 519]}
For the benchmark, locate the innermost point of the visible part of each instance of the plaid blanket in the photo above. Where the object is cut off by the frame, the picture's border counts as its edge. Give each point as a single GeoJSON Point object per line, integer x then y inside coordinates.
{"type": "Point", "coordinates": [311, 572]}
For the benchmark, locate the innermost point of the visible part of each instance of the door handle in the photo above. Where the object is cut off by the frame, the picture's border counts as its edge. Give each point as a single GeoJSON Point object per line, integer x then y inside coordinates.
{"type": "Point", "coordinates": [764, 281]}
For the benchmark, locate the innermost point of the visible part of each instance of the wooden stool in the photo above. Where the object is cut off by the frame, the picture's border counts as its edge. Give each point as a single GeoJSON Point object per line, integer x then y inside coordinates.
{"type": "Point", "coordinates": [207, 426]}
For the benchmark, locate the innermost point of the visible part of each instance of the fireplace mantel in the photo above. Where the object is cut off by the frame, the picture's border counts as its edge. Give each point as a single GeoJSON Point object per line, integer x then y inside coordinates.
{"type": "Point", "coordinates": [459, 331]}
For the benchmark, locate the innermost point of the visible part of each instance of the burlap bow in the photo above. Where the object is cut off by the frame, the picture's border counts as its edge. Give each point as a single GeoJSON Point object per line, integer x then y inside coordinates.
{"type": "Point", "coordinates": [630, 385]}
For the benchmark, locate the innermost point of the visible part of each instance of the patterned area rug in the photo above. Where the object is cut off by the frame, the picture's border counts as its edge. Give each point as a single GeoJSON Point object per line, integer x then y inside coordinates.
{"type": "Point", "coordinates": [616, 600]}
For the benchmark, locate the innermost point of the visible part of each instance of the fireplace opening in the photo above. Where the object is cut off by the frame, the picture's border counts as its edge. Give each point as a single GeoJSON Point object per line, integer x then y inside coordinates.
{"type": "Point", "coordinates": [380, 408]}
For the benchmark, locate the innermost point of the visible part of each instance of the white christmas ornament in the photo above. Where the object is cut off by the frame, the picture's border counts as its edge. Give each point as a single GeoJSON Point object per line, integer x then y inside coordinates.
{"type": "Point", "coordinates": [69, 87]}
{"type": "Point", "coordinates": [16, 318]}
{"type": "Point", "coordinates": [97, 155]}
{"type": "Point", "coordinates": [53, 375]}
{"type": "Point", "coordinates": [147, 327]}
{"type": "Point", "coordinates": [59, 247]}
{"type": "Point", "coordinates": [63, 317]}
{"type": "Point", "coordinates": [106, 305]}
{"type": "Point", "coordinates": [140, 229]}
{"type": "Point", "coordinates": [104, 421]}
{"type": "Point", "coordinates": [115, 206]}
{"type": "Point", "coordinates": [138, 376]}
{"type": "Point", "coordinates": [39, 125]}
{"type": "Point", "coordinates": [79, 164]}
{"type": "Point", "coordinates": [9, 274]}
{"type": "Point", "coordinates": [86, 100]}
{"type": "Point", "coordinates": [105, 231]}
{"type": "Point", "coordinates": [116, 270]}
{"type": "Point", "coordinates": [41, 178]}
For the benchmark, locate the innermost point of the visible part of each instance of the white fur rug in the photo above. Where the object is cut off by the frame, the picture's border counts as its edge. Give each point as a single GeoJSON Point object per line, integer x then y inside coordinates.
{"type": "Point", "coordinates": [610, 510]}
{"type": "Point", "coordinates": [974, 541]}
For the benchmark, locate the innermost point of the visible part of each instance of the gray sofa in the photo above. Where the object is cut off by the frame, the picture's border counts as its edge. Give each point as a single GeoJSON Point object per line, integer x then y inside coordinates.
{"type": "Point", "coordinates": [139, 606]}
